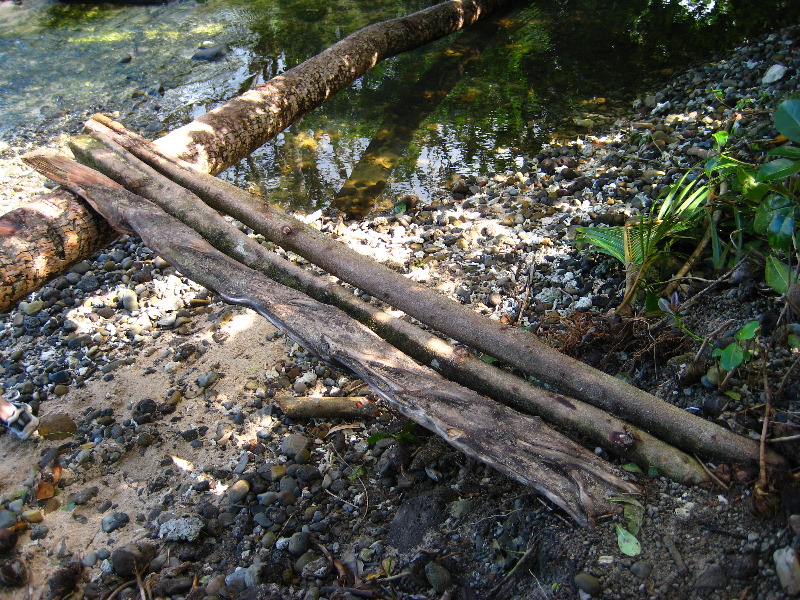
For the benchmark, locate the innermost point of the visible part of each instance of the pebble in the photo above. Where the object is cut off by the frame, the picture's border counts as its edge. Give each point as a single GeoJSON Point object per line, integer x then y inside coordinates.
{"type": "Point", "coordinates": [237, 492]}
{"type": "Point", "coordinates": [588, 583]}
{"type": "Point", "coordinates": [438, 577]}
{"type": "Point", "coordinates": [183, 529]}
{"type": "Point", "coordinates": [113, 521]}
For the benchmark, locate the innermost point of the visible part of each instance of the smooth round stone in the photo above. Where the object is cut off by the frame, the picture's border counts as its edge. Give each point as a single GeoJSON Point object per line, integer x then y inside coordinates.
{"type": "Point", "coordinates": [293, 443]}
{"type": "Point", "coordinates": [207, 379]}
{"type": "Point", "coordinates": [438, 577]}
{"type": "Point", "coordinates": [588, 583]}
{"type": "Point", "coordinates": [238, 491]}
{"type": "Point", "coordinates": [299, 543]}
{"type": "Point", "coordinates": [642, 569]}
{"type": "Point", "coordinates": [7, 519]}
{"type": "Point", "coordinates": [31, 308]}
{"type": "Point", "coordinates": [128, 299]}
{"type": "Point", "coordinates": [113, 521]}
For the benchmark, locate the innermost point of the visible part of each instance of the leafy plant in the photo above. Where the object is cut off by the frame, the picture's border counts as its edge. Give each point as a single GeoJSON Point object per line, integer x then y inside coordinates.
{"type": "Point", "coordinates": [769, 192]}
{"type": "Point", "coordinates": [737, 352]}
{"type": "Point", "coordinates": [638, 243]}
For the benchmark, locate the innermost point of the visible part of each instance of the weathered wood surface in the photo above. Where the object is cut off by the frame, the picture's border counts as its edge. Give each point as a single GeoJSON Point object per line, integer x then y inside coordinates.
{"type": "Point", "coordinates": [516, 347]}
{"type": "Point", "coordinates": [617, 436]}
{"type": "Point", "coordinates": [44, 238]}
{"type": "Point", "coordinates": [225, 136]}
{"type": "Point", "coordinates": [518, 445]}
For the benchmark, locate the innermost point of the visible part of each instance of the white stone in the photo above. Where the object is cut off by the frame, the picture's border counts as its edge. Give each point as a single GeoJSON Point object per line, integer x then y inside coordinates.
{"type": "Point", "coordinates": [773, 74]}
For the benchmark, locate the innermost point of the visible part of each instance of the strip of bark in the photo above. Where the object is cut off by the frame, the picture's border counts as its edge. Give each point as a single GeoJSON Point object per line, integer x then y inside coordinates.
{"type": "Point", "coordinates": [602, 429]}
{"type": "Point", "coordinates": [226, 135]}
{"type": "Point", "coordinates": [518, 445]}
{"type": "Point", "coordinates": [516, 347]}
{"type": "Point", "coordinates": [306, 407]}
{"type": "Point", "coordinates": [65, 231]}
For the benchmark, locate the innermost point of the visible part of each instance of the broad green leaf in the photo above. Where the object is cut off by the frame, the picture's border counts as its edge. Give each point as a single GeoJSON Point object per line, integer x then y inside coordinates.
{"type": "Point", "coordinates": [400, 208]}
{"type": "Point", "coordinates": [661, 304]}
{"type": "Point", "coordinates": [750, 188]}
{"type": "Point", "coordinates": [793, 340]}
{"type": "Point", "coordinates": [787, 119]}
{"type": "Point", "coordinates": [780, 168]}
{"type": "Point", "coordinates": [775, 219]}
{"type": "Point", "coordinates": [792, 152]}
{"type": "Point", "coordinates": [748, 332]}
{"type": "Point", "coordinates": [776, 274]}
{"type": "Point", "coordinates": [652, 472]}
{"type": "Point", "coordinates": [488, 359]}
{"type": "Point", "coordinates": [652, 303]}
{"type": "Point", "coordinates": [735, 395]}
{"type": "Point", "coordinates": [627, 543]}
{"type": "Point", "coordinates": [632, 468]}
{"type": "Point", "coordinates": [376, 437]}
{"type": "Point", "coordinates": [731, 357]}
{"type": "Point", "coordinates": [357, 472]}
{"type": "Point", "coordinates": [721, 138]}
{"type": "Point", "coordinates": [633, 517]}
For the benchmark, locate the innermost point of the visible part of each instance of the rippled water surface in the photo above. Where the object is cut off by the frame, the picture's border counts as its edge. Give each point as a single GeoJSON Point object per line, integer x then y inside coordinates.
{"type": "Point", "coordinates": [477, 101]}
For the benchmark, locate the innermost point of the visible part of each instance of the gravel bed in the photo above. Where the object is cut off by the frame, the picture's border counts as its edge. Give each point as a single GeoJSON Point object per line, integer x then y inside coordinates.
{"type": "Point", "coordinates": [238, 501]}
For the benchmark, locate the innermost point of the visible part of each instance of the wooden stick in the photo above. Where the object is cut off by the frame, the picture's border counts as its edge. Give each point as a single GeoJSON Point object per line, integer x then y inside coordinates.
{"type": "Point", "coordinates": [516, 347]}
{"type": "Point", "coordinates": [518, 445]}
{"type": "Point", "coordinates": [306, 407]}
{"type": "Point", "coordinates": [613, 434]}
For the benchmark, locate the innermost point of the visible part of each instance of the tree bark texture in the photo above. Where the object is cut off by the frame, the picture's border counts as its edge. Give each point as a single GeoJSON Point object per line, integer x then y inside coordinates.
{"type": "Point", "coordinates": [615, 435]}
{"type": "Point", "coordinates": [516, 347]}
{"type": "Point", "coordinates": [68, 231]}
{"type": "Point", "coordinates": [44, 238]}
{"type": "Point", "coordinates": [227, 134]}
{"type": "Point", "coordinates": [518, 445]}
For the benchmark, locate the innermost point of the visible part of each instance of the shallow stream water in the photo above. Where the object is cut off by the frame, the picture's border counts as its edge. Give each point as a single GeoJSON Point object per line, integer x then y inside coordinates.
{"type": "Point", "coordinates": [478, 101]}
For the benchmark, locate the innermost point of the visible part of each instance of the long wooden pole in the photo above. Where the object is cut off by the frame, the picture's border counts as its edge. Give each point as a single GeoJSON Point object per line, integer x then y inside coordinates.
{"type": "Point", "coordinates": [617, 436]}
{"type": "Point", "coordinates": [518, 445]}
{"type": "Point", "coordinates": [516, 347]}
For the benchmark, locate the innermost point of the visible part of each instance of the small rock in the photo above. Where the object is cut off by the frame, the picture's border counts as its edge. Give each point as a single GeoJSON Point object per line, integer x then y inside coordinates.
{"type": "Point", "coordinates": [773, 74]}
{"type": "Point", "coordinates": [299, 543]}
{"type": "Point", "coordinates": [211, 53]}
{"type": "Point", "coordinates": [642, 569]}
{"type": "Point", "coordinates": [113, 521]}
{"type": "Point", "coordinates": [293, 443]}
{"type": "Point", "coordinates": [788, 568]}
{"type": "Point", "coordinates": [588, 583]}
{"type": "Point", "coordinates": [238, 491]}
{"type": "Point", "coordinates": [438, 577]}
{"type": "Point", "coordinates": [128, 299]}
{"type": "Point", "coordinates": [207, 379]}
{"type": "Point", "coordinates": [711, 579]}
{"type": "Point", "coordinates": [183, 529]}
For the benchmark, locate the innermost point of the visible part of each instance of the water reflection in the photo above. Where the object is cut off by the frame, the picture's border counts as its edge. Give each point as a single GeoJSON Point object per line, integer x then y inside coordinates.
{"type": "Point", "coordinates": [552, 68]}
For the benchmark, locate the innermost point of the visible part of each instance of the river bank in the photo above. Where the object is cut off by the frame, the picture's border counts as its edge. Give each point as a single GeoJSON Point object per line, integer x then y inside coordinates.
{"type": "Point", "coordinates": [166, 397]}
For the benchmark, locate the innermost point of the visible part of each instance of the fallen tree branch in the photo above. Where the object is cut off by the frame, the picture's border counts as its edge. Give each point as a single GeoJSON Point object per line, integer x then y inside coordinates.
{"type": "Point", "coordinates": [518, 445]}
{"type": "Point", "coordinates": [516, 347]}
{"type": "Point", "coordinates": [307, 407]}
{"type": "Point", "coordinates": [224, 136]}
{"type": "Point", "coordinates": [602, 429]}
{"type": "Point", "coordinates": [69, 231]}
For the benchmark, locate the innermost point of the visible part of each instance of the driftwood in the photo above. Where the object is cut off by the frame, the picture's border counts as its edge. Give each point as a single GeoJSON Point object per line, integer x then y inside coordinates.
{"type": "Point", "coordinates": [43, 238]}
{"type": "Point", "coordinates": [516, 347]}
{"type": "Point", "coordinates": [602, 429]}
{"type": "Point", "coordinates": [65, 231]}
{"type": "Point", "coordinates": [307, 407]}
{"type": "Point", "coordinates": [226, 135]}
{"type": "Point", "coordinates": [518, 445]}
